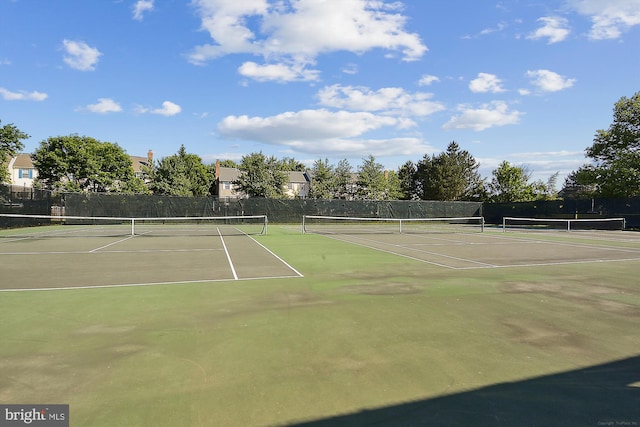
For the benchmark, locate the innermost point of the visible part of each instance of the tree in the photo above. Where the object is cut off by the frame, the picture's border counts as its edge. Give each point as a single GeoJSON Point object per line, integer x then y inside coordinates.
{"type": "Point", "coordinates": [10, 146]}
{"type": "Point", "coordinates": [452, 175]}
{"type": "Point", "coordinates": [572, 189]}
{"type": "Point", "coordinates": [261, 176]}
{"type": "Point", "coordinates": [322, 180]}
{"type": "Point", "coordinates": [615, 171]}
{"type": "Point", "coordinates": [511, 184]}
{"type": "Point", "coordinates": [392, 190]}
{"type": "Point", "coordinates": [371, 180]}
{"type": "Point", "coordinates": [546, 190]}
{"type": "Point", "coordinates": [81, 163]}
{"type": "Point", "coordinates": [408, 183]}
{"type": "Point", "coordinates": [343, 185]}
{"type": "Point", "coordinates": [292, 165]}
{"type": "Point", "coordinates": [228, 164]}
{"type": "Point", "coordinates": [181, 174]}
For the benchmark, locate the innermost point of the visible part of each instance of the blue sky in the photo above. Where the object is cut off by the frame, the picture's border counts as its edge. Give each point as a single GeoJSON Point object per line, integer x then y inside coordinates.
{"type": "Point", "coordinates": [527, 81]}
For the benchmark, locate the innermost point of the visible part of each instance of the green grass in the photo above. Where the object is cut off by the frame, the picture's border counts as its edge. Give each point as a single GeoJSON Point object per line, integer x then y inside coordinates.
{"type": "Point", "coordinates": [362, 330]}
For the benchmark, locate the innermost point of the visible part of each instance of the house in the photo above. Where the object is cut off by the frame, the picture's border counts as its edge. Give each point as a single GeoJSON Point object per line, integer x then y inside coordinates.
{"type": "Point", "coordinates": [21, 170]}
{"type": "Point", "coordinates": [297, 186]}
{"type": "Point", "coordinates": [224, 182]}
{"type": "Point", "coordinates": [139, 163]}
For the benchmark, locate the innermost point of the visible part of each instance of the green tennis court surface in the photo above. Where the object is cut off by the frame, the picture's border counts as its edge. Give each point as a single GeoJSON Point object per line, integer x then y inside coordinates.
{"type": "Point", "coordinates": [440, 328]}
{"type": "Point", "coordinates": [69, 260]}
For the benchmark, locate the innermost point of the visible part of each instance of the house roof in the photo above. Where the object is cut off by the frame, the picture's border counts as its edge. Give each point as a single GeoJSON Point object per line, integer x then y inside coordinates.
{"type": "Point", "coordinates": [23, 161]}
{"type": "Point", "coordinates": [228, 174]}
{"type": "Point", "coordinates": [139, 162]}
{"type": "Point", "coordinates": [298, 177]}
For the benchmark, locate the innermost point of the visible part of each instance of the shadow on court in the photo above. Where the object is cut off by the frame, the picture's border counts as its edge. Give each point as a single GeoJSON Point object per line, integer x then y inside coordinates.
{"type": "Point", "coordinates": [602, 395]}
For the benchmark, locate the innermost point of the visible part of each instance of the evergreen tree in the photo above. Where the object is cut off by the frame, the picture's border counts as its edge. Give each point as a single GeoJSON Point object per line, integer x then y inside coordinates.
{"type": "Point", "coordinates": [371, 180]}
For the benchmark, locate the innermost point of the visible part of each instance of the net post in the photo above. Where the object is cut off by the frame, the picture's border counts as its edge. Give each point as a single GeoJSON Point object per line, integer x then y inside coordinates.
{"type": "Point", "coordinates": [482, 224]}
{"type": "Point", "coordinates": [133, 226]}
{"type": "Point", "coordinates": [266, 224]}
{"type": "Point", "coordinates": [504, 224]}
{"type": "Point", "coordinates": [568, 225]}
{"type": "Point", "coordinates": [400, 225]}
{"type": "Point", "coordinates": [303, 218]}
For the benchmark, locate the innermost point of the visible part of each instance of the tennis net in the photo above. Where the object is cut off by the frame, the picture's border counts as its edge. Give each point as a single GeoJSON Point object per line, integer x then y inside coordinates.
{"type": "Point", "coordinates": [317, 224]}
{"type": "Point", "coordinates": [562, 224]}
{"type": "Point", "coordinates": [39, 226]}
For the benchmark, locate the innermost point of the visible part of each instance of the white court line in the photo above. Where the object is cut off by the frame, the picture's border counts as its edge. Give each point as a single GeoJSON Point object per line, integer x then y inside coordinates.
{"type": "Point", "coordinates": [136, 285]}
{"type": "Point", "coordinates": [388, 252]}
{"type": "Point", "coordinates": [488, 266]}
{"type": "Point", "coordinates": [109, 252]}
{"type": "Point", "coordinates": [111, 244]}
{"type": "Point", "coordinates": [483, 264]}
{"type": "Point", "coordinates": [277, 257]}
{"type": "Point", "coordinates": [233, 269]}
{"type": "Point", "coordinates": [546, 264]}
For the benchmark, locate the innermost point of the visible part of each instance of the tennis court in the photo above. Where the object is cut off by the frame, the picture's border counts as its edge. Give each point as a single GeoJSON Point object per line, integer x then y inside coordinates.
{"type": "Point", "coordinates": [113, 254]}
{"type": "Point", "coordinates": [467, 244]}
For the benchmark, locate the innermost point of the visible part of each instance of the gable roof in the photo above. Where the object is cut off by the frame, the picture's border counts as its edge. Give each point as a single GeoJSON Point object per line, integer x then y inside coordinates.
{"type": "Point", "coordinates": [23, 161]}
{"type": "Point", "coordinates": [228, 174]}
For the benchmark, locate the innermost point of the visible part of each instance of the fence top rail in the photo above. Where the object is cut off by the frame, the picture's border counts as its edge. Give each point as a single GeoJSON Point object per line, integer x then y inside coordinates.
{"type": "Point", "coordinates": [562, 219]}
{"type": "Point", "coordinates": [118, 218]}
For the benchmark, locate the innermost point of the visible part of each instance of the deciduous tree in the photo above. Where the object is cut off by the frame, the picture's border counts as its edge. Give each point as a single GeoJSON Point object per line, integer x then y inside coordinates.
{"type": "Point", "coordinates": [615, 171]}
{"type": "Point", "coordinates": [261, 176]}
{"type": "Point", "coordinates": [510, 183]}
{"type": "Point", "coordinates": [81, 163]}
{"type": "Point", "coordinates": [10, 145]}
{"type": "Point", "coordinates": [181, 174]}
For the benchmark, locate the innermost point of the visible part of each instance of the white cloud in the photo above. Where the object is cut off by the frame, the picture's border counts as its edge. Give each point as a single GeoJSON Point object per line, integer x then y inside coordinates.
{"type": "Point", "coordinates": [351, 69]}
{"type": "Point", "coordinates": [8, 95]}
{"type": "Point", "coordinates": [80, 56]}
{"type": "Point", "coordinates": [322, 131]}
{"type": "Point", "coordinates": [428, 80]}
{"type": "Point", "coordinates": [391, 100]}
{"type": "Point", "coordinates": [104, 106]}
{"type": "Point", "coordinates": [168, 109]}
{"type": "Point", "coordinates": [140, 7]}
{"type": "Point", "coordinates": [277, 72]}
{"type": "Point", "coordinates": [609, 18]}
{"type": "Point", "coordinates": [548, 81]}
{"type": "Point", "coordinates": [554, 28]}
{"type": "Point", "coordinates": [487, 116]}
{"type": "Point", "coordinates": [297, 32]}
{"type": "Point", "coordinates": [486, 83]}
{"type": "Point", "coordinates": [490, 30]}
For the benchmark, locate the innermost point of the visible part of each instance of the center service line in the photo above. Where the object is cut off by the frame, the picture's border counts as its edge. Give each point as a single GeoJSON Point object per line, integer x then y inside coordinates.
{"type": "Point", "coordinates": [233, 270]}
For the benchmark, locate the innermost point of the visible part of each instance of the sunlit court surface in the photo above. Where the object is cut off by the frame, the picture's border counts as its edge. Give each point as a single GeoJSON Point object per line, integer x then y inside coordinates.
{"type": "Point", "coordinates": [85, 256]}
{"type": "Point", "coordinates": [224, 324]}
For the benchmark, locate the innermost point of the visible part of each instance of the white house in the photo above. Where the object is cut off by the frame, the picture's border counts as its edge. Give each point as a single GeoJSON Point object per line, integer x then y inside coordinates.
{"type": "Point", "coordinates": [21, 170]}
{"type": "Point", "coordinates": [297, 185]}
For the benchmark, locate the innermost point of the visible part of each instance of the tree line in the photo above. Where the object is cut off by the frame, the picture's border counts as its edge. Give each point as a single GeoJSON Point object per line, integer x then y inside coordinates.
{"type": "Point", "coordinates": [81, 163]}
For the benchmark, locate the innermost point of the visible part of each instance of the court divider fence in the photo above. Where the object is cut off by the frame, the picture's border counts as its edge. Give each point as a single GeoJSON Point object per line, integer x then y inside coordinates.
{"type": "Point", "coordinates": [20, 200]}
